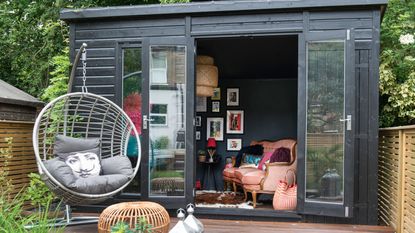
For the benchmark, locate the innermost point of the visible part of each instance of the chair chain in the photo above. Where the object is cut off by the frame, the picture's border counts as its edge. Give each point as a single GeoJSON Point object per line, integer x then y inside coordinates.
{"type": "Point", "coordinates": [84, 88]}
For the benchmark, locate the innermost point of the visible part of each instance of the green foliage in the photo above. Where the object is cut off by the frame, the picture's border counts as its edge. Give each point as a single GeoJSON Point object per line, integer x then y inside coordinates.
{"type": "Point", "coordinates": [38, 193]}
{"type": "Point", "coordinates": [59, 77]}
{"type": "Point", "coordinates": [140, 227]}
{"type": "Point", "coordinates": [397, 70]}
{"type": "Point", "coordinates": [161, 143]}
{"type": "Point", "coordinates": [33, 39]}
{"type": "Point", "coordinates": [5, 154]}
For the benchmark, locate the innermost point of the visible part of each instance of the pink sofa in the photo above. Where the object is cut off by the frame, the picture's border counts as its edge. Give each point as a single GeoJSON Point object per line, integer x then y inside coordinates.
{"type": "Point", "coordinates": [257, 181]}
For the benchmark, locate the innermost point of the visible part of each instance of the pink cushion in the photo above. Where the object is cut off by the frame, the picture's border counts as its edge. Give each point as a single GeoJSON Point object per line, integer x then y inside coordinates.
{"type": "Point", "coordinates": [239, 173]}
{"type": "Point", "coordinates": [229, 172]}
{"type": "Point", "coordinates": [265, 158]}
{"type": "Point", "coordinates": [253, 178]}
{"type": "Point", "coordinates": [255, 187]}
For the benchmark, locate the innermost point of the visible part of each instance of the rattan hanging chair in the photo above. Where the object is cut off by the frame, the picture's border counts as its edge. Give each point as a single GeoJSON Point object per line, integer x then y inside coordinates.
{"type": "Point", "coordinates": [83, 115]}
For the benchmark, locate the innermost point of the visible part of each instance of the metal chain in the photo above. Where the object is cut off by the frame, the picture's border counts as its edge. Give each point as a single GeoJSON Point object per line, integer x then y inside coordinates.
{"type": "Point", "coordinates": [84, 88]}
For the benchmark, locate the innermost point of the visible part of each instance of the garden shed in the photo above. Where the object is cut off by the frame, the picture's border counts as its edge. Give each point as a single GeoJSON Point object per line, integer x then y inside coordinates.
{"type": "Point", "coordinates": [303, 70]}
{"type": "Point", "coordinates": [17, 115]}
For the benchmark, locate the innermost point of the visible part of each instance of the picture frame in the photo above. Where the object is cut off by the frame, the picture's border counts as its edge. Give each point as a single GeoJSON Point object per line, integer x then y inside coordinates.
{"type": "Point", "coordinates": [215, 106]}
{"type": "Point", "coordinates": [232, 97]}
{"type": "Point", "coordinates": [214, 128]}
{"type": "Point", "coordinates": [233, 144]}
{"type": "Point", "coordinates": [201, 104]}
{"type": "Point", "coordinates": [198, 121]}
{"type": "Point", "coordinates": [216, 94]}
{"type": "Point", "coordinates": [197, 135]}
{"type": "Point", "coordinates": [235, 121]}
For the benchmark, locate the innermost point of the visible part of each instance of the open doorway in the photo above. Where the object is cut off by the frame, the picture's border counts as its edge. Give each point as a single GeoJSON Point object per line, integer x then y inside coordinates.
{"type": "Point", "coordinates": [256, 101]}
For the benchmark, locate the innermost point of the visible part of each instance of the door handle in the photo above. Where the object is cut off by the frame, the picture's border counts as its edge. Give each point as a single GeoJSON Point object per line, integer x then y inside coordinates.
{"type": "Point", "coordinates": [348, 121]}
{"type": "Point", "coordinates": [146, 119]}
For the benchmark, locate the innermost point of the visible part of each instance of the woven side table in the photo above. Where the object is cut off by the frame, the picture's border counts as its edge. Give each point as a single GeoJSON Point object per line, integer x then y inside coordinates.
{"type": "Point", "coordinates": [131, 212]}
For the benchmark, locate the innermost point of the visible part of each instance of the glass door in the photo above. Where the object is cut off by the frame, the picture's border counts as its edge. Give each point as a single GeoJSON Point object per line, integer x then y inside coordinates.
{"type": "Point", "coordinates": [326, 147]}
{"type": "Point", "coordinates": [168, 121]}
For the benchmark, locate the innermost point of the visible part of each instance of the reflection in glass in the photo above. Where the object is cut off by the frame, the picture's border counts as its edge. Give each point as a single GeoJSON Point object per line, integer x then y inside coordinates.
{"type": "Point", "coordinates": [132, 81]}
{"type": "Point", "coordinates": [167, 120]}
{"type": "Point", "coordinates": [325, 130]}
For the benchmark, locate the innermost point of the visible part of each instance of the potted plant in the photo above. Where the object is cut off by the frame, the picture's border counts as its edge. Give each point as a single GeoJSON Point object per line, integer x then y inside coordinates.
{"type": "Point", "coordinates": [202, 155]}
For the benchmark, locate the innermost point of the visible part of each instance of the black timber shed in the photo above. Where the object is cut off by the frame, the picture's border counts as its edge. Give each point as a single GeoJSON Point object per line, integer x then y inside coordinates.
{"type": "Point", "coordinates": [354, 23]}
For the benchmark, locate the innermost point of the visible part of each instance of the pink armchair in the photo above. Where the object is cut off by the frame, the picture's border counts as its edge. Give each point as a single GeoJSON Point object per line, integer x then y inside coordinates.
{"type": "Point", "coordinates": [257, 181]}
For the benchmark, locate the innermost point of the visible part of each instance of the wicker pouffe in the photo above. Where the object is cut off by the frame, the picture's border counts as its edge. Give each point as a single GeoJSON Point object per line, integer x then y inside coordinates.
{"type": "Point", "coordinates": [131, 212]}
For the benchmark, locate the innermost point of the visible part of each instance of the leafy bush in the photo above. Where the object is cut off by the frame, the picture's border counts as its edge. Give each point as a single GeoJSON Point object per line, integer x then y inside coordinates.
{"type": "Point", "coordinates": [161, 143]}
{"type": "Point", "coordinates": [38, 193]}
{"type": "Point", "coordinates": [397, 70]}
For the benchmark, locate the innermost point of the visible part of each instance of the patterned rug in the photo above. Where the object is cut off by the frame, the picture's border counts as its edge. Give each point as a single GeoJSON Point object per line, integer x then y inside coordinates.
{"type": "Point", "coordinates": [215, 199]}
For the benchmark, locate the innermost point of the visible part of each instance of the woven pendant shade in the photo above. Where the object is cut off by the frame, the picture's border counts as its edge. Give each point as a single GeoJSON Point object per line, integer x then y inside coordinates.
{"type": "Point", "coordinates": [131, 212]}
{"type": "Point", "coordinates": [206, 76]}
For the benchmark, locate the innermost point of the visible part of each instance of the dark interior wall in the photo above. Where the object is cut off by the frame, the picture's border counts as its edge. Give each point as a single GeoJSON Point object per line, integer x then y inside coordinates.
{"type": "Point", "coordinates": [270, 112]}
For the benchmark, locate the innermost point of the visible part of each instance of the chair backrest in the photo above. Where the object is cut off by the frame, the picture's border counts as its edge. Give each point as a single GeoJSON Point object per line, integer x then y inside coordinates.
{"type": "Point", "coordinates": [271, 146]}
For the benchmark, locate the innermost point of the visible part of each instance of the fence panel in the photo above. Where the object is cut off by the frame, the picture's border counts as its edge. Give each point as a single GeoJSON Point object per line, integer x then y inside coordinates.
{"type": "Point", "coordinates": [396, 187]}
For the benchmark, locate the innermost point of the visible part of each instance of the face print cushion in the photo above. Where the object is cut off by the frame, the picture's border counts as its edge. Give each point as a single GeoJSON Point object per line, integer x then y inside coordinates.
{"type": "Point", "coordinates": [83, 163]}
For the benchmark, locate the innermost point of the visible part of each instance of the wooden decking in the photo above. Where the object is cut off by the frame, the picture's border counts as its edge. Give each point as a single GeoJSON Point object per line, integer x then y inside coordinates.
{"type": "Point", "coordinates": [226, 226]}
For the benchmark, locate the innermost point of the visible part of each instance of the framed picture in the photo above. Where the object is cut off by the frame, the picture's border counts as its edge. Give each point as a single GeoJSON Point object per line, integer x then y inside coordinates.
{"type": "Point", "coordinates": [214, 128]}
{"type": "Point", "coordinates": [197, 135]}
{"type": "Point", "coordinates": [215, 106]}
{"type": "Point", "coordinates": [235, 121]}
{"type": "Point", "coordinates": [234, 144]}
{"type": "Point", "coordinates": [201, 104]}
{"type": "Point", "coordinates": [216, 94]}
{"type": "Point", "coordinates": [198, 121]}
{"type": "Point", "coordinates": [232, 97]}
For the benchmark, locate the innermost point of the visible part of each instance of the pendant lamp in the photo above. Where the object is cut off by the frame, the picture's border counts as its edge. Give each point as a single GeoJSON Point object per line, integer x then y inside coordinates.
{"type": "Point", "coordinates": [206, 76]}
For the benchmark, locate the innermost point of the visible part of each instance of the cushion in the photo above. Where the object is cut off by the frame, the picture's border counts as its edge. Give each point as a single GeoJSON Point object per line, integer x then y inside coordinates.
{"type": "Point", "coordinates": [100, 184]}
{"type": "Point", "coordinates": [254, 177]}
{"type": "Point", "coordinates": [265, 159]}
{"type": "Point", "coordinates": [229, 172]}
{"type": "Point", "coordinates": [117, 165]}
{"type": "Point", "coordinates": [252, 159]}
{"type": "Point", "coordinates": [281, 154]}
{"type": "Point", "coordinates": [242, 171]}
{"type": "Point", "coordinates": [83, 163]}
{"type": "Point", "coordinates": [65, 144]}
{"type": "Point", "coordinates": [60, 171]}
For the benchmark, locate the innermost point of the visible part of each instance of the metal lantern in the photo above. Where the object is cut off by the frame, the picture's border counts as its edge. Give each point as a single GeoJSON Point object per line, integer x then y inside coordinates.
{"type": "Point", "coordinates": [181, 226]}
{"type": "Point", "coordinates": [206, 76]}
{"type": "Point", "coordinates": [192, 221]}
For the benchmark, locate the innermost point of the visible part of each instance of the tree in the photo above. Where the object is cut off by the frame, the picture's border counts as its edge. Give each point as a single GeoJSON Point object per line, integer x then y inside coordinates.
{"type": "Point", "coordinates": [397, 69]}
{"type": "Point", "coordinates": [33, 40]}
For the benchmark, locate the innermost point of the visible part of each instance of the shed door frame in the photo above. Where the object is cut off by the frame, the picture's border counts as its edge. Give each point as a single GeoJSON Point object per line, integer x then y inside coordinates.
{"type": "Point", "coordinates": [174, 201]}
{"type": "Point", "coordinates": [324, 208]}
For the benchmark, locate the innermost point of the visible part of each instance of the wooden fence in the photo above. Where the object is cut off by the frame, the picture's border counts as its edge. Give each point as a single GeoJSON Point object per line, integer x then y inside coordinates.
{"type": "Point", "coordinates": [396, 177]}
{"type": "Point", "coordinates": [22, 161]}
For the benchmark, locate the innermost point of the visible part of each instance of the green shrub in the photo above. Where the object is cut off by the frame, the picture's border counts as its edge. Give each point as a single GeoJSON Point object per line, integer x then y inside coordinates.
{"type": "Point", "coordinates": [140, 227]}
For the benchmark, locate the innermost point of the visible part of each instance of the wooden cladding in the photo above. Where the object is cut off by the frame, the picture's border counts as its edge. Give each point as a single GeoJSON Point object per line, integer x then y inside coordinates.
{"type": "Point", "coordinates": [22, 161]}
{"type": "Point", "coordinates": [396, 187]}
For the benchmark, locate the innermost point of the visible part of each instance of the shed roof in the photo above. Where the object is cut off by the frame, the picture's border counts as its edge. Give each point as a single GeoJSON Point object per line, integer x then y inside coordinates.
{"type": "Point", "coordinates": [12, 95]}
{"type": "Point", "coordinates": [210, 7]}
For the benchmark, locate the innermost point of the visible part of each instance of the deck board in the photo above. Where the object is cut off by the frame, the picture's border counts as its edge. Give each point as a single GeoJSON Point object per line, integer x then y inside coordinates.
{"type": "Point", "coordinates": [225, 226]}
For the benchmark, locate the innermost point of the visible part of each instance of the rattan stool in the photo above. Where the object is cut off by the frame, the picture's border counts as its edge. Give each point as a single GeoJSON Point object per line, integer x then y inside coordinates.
{"type": "Point", "coordinates": [131, 212]}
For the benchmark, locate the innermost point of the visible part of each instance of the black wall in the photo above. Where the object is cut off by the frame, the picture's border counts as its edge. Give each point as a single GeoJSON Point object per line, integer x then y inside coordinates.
{"type": "Point", "coordinates": [270, 112]}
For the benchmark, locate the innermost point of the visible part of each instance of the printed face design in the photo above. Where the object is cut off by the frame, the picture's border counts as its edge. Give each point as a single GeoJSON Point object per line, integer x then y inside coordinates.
{"type": "Point", "coordinates": [84, 165]}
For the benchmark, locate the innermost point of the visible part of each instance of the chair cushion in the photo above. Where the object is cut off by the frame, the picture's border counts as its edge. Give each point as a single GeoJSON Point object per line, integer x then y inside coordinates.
{"type": "Point", "coordinates": [229, 172]}
{"type": "Point", "coordinates": [253, 187]}
{"type": "Point", "coordinates": [60, 171]}
{"type": "Point", "coordinates": [65, 144]}
{"type": "Point", "coordinates": [239, 173]}
{"type": "Point", "coordinates": [100, 184]}
{"type": "Point", "coordinates": [281, 154]}
{"type": "Point", "coordinates": [253, 177]}
{"type": "Point", "coordinates": [83, 163]}
{"type": "Point", "coordinates": [265, 159]}
{"type": "Point", "coordinates": [117, 165]}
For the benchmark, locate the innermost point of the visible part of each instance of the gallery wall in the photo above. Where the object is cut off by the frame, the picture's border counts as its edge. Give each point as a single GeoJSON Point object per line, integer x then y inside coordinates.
{"type": "Point", "coordinates": [270, 112]}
